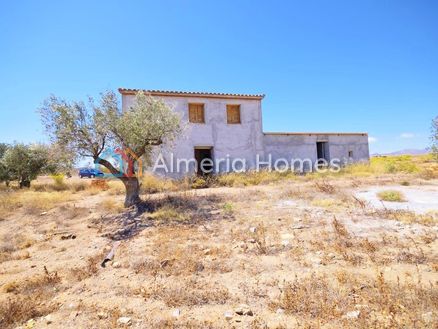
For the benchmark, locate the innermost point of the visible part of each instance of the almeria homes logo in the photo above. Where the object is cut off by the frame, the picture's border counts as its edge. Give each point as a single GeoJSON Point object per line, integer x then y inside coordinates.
{"type": "Point", "coordinates": [124, 160]}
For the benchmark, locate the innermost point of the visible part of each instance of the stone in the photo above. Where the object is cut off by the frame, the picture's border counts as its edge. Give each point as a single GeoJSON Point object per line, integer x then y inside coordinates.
{"type": "Point", "coordinates": [30, 324]}
{"type": "Point", "coordinates": [207, 252]}
{"type": "Point", "coordinates": [427, 317]}
{"type": "Point", "coordinates": [351, 315]}
{"type": "Point", "coordinates": [176, 313]}
{"type": "Point", "coordinates": [285, 243]}
{"type": "Point", "coordinates": [124, 321]}
{"type": "Point", "coordinates": [48, 318]}
{"type": "Point", "coordinates": [316, 260]}
{"type": "Point", "coordinates": [299, 226]}
{"type": "Point", "coordinates": [253, 229]}
{"type": "Point", "coordinates": [116, 265]}
{"type": "Point", "coordinates": [244, 309]}
{"type": "Point", "coordinates": [279, 311]}
{"type": "Point", "coordinates": [331, 255]}
{"type": "Point", "coordinates": [102, 315]}
{"type": "Point", "coordinates": [228, 315]}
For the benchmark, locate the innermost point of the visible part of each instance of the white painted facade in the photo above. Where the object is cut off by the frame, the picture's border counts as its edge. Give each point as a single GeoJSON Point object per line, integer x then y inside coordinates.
{"type": "Point", "coordinates": [247, 139]}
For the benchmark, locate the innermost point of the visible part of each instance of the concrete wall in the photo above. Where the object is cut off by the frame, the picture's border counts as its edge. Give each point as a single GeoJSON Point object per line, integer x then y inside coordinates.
{"type": "Point", "coordinates": [303, 146]}
{"type": "Point", "coordinates": [243, 140]}
{"type": "Point", "coordinates": [246, 140]}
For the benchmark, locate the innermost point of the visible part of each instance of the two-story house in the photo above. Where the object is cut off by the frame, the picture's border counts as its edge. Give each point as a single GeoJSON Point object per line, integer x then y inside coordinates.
{"type": "Point", "coordinates": [228, 127]}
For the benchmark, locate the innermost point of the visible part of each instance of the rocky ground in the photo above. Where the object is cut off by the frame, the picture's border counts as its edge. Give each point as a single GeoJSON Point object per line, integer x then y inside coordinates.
{"type": "Point", "coordinates": [299, 253]}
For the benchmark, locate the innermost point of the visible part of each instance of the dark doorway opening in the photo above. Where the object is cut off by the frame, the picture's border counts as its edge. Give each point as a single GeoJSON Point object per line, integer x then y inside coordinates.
{"type": "Point", "coordinates": [322, 152]}
{"type": "Point", "coordinates": [204, 160]}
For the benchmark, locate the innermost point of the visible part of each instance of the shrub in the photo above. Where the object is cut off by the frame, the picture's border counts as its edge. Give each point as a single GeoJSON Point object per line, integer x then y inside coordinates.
{"type": "Point", "coordinates": [391, 196]}
{"type": "Point", "coordinates": [154, 184]}
{"type": "Point", "coordinates": [58, 181]}
{"type": "Point", "coordinates": [99, 184]}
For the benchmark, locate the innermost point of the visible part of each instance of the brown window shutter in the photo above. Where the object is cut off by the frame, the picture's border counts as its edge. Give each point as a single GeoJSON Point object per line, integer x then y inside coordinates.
{"type": "Point", "coordinates": [196, 113]}
{"type": "Point", "coordinates": [233, 114]}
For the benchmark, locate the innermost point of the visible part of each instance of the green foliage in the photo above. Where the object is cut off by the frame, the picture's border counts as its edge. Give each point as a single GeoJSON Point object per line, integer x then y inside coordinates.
{"type": "Point", "coordinates": [228, 208]}
{"type": "Point", "coordinates": [4, 172]}
{"type": "Point", "coordinates": [434, 138]}
{"type": "Point", "coordinates": [3, 148]}
{"type": "Point", "coordinates": [25, 162]}
{"type": "Point", "coordinates": [148, 122]}
{"type": "Point", "coordinates": [199, 182]}
{"type": "Point", "coordinates": [58, 179]}
{"type": "Point", "coordinates": [394, 164]}
{"type": "Point", "coordinates": [391, 196]}
{"type": "Point", "coordinates": [61, 160]}
{"type": "Point", "coordinates": [87, 129]}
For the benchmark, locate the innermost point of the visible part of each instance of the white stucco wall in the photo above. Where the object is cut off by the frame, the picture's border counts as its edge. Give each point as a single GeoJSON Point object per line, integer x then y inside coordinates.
{"type": "Point", "coordinates": [231, 141]}
{"type": "Point", "coordinates": [303, 146]}
{"type": "Point", "coordinates": [245, 140]}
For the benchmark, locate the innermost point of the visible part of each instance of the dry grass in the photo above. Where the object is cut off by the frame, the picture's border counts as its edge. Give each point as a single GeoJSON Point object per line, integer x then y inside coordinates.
{"type": "Point", "coordinates": [205, 252]}
{"type": "Point", "coordinates": [90, 269]}
{"type": "Point", "coordinates": [188, 292]}
{"type": "Point", "coordinates": [325, 187]}
{"type": "Point", "coordinates": [116, 187]}
{"type": "Point", "coordinates": [185, 207]}
{"type": "Point", "coordinates": [406, 216]}
{"type": "Point", "coordinates": [32, 203]}
{"type": "Point", "coordinates": [17, 309]}
{"type": "Point", "coordinates": [36, 284]}
{"type": "Point", "coordinates": [153, 184]}
{"type": "Point", "coordinates": [391, 196]}
{"type": "Point", "coordinates": [12, 245]}
{"type": "Point", "coordinates": [380, 304]}
{"type": "Point", "coordinates": [112, 206]}
{"type": "Point", "coordinates": [31, 298]}
{"type": "Point", "coordinates": [253, 178]}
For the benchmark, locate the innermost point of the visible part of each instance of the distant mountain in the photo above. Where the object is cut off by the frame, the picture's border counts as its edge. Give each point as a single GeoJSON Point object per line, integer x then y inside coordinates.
{"type": "Point", "coordinates": [407, 152]}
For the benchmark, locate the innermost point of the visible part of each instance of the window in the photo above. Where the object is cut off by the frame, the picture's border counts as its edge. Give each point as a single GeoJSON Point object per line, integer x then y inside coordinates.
{"type": "Point", "coordinates": [196, 113]}
{"type": "Point", "coordinates": [233, 114]}
{"type": "Point", "coordinates": [350, 154]}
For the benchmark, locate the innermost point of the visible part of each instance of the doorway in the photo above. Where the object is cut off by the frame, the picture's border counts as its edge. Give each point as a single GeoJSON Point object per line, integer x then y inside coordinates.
{"type": "Point", "coordinates": [322, 152]}
{"type": "Point", "coordinates": [204, 160]}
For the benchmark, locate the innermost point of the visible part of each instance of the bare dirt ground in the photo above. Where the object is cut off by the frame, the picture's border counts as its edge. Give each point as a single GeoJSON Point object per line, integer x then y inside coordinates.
{"type": "Point", "coordinates": [293, 254]}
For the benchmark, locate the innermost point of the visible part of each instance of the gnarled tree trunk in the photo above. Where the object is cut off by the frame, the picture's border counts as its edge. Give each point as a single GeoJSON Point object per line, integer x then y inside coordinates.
{"type": "Point", "coordinates": [132, 187]}
{"type": "Point", "coordinates": [24, 182]}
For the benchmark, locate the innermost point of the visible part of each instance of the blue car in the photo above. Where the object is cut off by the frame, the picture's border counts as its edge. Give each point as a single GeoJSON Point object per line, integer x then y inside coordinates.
{"type": "Point", "coordinates": [90, 173]}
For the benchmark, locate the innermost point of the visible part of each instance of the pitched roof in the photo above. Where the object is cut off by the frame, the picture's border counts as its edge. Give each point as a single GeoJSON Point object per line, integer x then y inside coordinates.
{"type": "Point", "coordinates": [126, 91]}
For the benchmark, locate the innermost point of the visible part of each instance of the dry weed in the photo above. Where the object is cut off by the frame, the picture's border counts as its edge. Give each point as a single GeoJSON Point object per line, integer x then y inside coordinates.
{"type": "Point", "coordinates": [90, 269]}
{"type": "Point", "coordinates": [17, 309]}
{"type": "Point", "coordinates": [325, 187]}
{"type": "Point", "coordinates": [378, 304]}
{"type": "Point", "coordinates": [189, 292]}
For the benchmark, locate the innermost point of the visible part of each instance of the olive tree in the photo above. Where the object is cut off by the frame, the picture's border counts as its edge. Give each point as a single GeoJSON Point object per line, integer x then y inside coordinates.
{"type": "Point", "coordinates": [87, 129]}
{"type": "Point", "coordinates": [434, 137]}
{"type": "Point", "coordinates": [24, 163]}
{"type": "Point", "coordinates": [4, 172]}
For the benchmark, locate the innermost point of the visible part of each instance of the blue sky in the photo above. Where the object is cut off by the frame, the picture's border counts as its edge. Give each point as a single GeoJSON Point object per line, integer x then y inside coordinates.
{"type": "Point", "coordinates": [324, 65]}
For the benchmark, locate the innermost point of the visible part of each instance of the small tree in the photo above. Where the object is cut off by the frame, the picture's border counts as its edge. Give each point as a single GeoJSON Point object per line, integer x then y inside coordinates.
{"type": "Point", "coordinates": [88, 129]}
{"type": "Point", "coordinates": [4, 172]}
{"type": "Point", "coordinates": [61, 160]}
{"type": "Point", "coordinates": [434, 137]}
{"type": "Point", "coordinates": [24, 163]}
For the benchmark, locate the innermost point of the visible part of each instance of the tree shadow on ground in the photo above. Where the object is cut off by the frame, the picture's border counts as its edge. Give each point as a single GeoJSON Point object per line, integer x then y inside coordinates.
{"type": "Point", "coordinates": [171, 210]}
